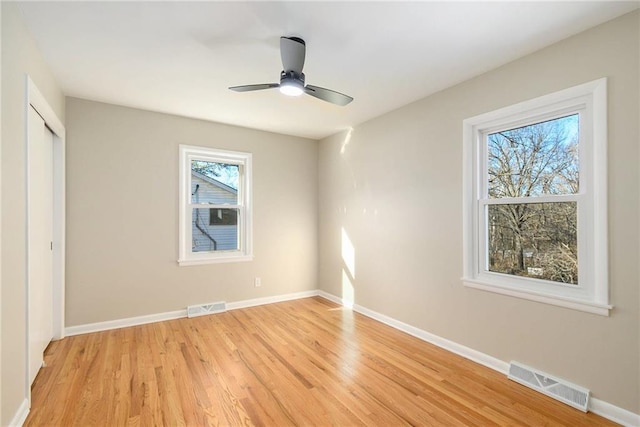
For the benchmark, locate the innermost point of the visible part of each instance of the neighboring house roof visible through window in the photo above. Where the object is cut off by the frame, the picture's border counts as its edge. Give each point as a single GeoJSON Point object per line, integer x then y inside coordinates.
{"type": "Point", "coordinates": [214, 182]}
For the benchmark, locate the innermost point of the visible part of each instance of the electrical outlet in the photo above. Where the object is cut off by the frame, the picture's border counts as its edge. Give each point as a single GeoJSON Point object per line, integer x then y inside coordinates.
{"type": "Point", "coordinates": [257, 282]}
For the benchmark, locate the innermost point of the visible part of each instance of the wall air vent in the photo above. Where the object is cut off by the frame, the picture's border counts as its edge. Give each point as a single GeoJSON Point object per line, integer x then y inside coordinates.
{"type": "Point", "coordinates": [559, 389]}
{"type": "Point", "coordinates": [202, 309]}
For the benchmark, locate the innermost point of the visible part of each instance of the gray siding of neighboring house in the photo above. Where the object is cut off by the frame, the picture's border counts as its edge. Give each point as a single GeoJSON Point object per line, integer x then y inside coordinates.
{"type": "Point", "coordinates": [225, 236]}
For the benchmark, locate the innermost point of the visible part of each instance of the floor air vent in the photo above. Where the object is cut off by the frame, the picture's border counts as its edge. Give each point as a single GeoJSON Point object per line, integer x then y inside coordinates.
{"type": "Point", "coordinates": [561, 390]}
{"type": "Point", "coordinates": [202, 309]}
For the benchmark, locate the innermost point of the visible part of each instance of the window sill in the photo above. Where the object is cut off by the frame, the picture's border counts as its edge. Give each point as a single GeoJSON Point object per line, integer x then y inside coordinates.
{"type": "Point", "coordinates": [586, 306]}
{"type": "Point", "coordinates": [217, 260]}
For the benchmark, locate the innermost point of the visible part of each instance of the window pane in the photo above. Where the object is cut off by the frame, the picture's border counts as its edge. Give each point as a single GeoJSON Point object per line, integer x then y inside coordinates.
{"type": "Point", "coordinates": [534, 160]}
{"type": "Point", "coordinates": [213, 182]}
{"type": "Point", "coordinates": [536, 240]}
{"type": "Point", "coordinates": [223, 216]}
{"type": "Point", "coordinates": [208, 234]}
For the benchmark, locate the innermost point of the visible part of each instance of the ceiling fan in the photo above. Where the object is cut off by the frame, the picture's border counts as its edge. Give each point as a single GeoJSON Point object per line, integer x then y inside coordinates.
{"type": "Point", "coordinates": [292, 52]}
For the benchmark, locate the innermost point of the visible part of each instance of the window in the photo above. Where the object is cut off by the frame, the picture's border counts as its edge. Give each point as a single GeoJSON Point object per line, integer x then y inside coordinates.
{"type": "Point", "coordinates": [215, 206]}
{"type": "Point", "coordinates": [535, 207]}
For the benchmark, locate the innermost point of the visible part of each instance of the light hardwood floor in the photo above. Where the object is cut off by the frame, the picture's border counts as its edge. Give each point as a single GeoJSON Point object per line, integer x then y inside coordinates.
{"type": "Point", "coordinates": [305, 362]}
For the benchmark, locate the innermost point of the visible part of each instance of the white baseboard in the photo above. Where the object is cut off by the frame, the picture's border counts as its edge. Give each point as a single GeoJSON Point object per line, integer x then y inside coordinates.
{"type": "Point", "coordinates": [159, 317]}
{"type": "Point", "coordinates": [614, 413]}
{"type": "Point", "coordinates": [123, 323]}
{"type": "Point", "coordinates": [21, 414]}
{"type": "Point", "coordinates": [270, 300]}
{"type": "Point", "coordinates": [600, 407]}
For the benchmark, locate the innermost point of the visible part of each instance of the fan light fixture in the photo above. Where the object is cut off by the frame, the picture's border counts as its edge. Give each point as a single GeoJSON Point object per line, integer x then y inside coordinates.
{"type": "Point", "coordinates": [291, 88]}
{"type": "Point", "coordinates": [292, 53]}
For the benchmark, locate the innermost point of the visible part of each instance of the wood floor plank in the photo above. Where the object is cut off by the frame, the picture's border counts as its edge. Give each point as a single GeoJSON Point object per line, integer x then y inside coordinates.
{"type": "Point", "coordinates": [304, 362]}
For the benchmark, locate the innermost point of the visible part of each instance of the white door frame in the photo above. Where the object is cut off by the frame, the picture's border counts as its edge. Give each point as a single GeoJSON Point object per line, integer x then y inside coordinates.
{"type": "Point", "coordinates": [36, 100]}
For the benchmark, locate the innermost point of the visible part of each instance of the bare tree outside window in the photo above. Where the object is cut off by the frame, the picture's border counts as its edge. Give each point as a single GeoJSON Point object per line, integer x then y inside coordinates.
{"type": "Point", "coordinates": [223, 172]}
{"type": "Point", "coordinates": [535, 239]}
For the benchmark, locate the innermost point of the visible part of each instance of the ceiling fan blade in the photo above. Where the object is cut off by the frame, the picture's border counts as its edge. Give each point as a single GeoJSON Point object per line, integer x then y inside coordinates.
{"type": "Point", "coordinates": [292, 51]}
{"type": "Point", "coordinates": [328, 95]}
{"type": "Point", "coordinates": [249, 88]}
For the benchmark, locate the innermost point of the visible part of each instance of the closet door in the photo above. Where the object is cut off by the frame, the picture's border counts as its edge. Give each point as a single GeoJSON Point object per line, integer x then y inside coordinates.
{"type": "Point", "coordinates": [40, 240]}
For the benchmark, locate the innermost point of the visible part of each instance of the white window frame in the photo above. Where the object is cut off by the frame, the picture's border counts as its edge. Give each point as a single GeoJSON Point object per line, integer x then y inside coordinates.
{"type": "Point", "coordinates": [188, 153]}
{"type": "Point", "coordinates": [591, 294]}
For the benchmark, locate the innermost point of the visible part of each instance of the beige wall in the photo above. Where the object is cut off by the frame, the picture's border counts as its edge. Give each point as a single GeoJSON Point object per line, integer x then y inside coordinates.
{"type": "Point", "coordinates": [122, 164]}
{"type": "Point", "coordinates": [20, 56]}
{"type": "Point", "coordinates": [396, 190]}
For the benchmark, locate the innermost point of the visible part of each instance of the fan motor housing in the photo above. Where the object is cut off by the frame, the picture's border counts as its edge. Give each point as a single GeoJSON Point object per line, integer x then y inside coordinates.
{"type": "Point", "coordinates": [292, 78]}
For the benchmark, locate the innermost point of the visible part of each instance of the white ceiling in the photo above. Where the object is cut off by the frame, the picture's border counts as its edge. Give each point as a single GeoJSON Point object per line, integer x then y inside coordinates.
{"type": "Point", "coordinates": [180, 57]}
